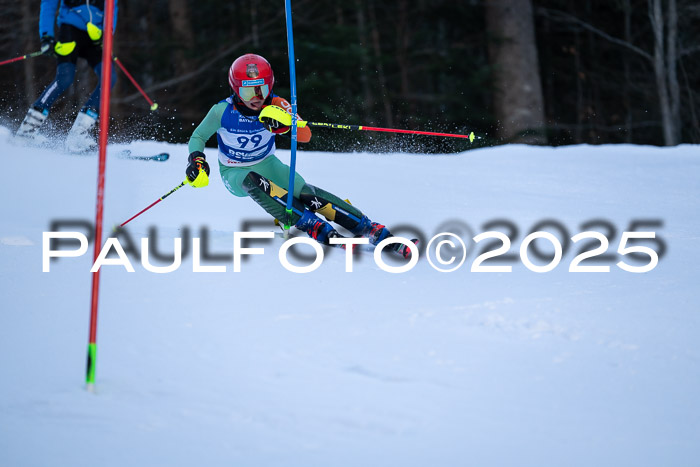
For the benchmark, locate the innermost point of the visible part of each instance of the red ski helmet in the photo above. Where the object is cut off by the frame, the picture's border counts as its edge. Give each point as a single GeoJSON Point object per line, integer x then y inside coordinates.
{"type": "Point", "coordinates": [251, 75]}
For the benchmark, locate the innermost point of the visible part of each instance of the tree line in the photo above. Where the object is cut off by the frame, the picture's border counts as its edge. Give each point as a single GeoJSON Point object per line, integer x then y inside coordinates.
{"type": "Point", "coordinates": [534, 71]}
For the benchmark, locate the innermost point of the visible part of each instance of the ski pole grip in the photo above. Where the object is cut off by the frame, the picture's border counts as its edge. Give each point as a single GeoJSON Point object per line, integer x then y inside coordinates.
{"type": "Point", "coordinates": [278, 113]}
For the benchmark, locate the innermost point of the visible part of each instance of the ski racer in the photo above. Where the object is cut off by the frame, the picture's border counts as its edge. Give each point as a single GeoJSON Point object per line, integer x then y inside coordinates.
{"type": "Point", "coordinates": [79, 24]}
{"type": "Point", "coordinates": [249, 167]}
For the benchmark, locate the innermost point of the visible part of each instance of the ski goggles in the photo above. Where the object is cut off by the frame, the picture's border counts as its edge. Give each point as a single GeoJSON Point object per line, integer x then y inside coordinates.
{"type": "Point", "coordinates": [249, 92]}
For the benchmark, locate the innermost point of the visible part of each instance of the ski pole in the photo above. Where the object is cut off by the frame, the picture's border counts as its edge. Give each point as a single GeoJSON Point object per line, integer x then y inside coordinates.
{"type": "Point", "coordinates": [155, 202]}
{"type": "Point", "coordinates": [338, 126]}
{"type": "Point", "coordinates": [153, 105]}
{"type": "Point", "coordinates": [23, 57]}
{"type": "Point", "coordinates": [281, 115]}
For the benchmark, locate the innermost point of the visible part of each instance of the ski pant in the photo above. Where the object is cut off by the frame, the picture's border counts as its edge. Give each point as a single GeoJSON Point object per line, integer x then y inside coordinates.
{"type": "Point", "coordinates": [65, 70]}
{"type": "Point", "coordinates": [265, 182]}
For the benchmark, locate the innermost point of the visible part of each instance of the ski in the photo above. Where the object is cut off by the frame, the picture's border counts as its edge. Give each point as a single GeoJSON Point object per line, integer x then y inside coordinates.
{"type": "Point", "coordinates": [396, 249]}
{"type": "Point", "coordinates": [126, 154]}
{"type": "Point", "coordinates": [402, 251]}
{"type": "Point", "coordinates": [160, 157]}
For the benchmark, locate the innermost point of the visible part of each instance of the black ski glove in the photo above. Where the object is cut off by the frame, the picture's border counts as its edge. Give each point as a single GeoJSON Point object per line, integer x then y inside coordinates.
{"type": "Point", "coordinates": [48, 44]}
{"type": "Point", "coordinates": [196, 162]}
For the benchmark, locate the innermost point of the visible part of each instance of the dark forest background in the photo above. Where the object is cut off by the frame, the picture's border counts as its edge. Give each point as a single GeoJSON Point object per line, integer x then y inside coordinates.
{"type": "Point", "coordinates": [536, 71]}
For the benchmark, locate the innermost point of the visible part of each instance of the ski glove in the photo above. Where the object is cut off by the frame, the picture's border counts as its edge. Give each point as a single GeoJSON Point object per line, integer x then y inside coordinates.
{"type": "Point", "coordinates": [48, 44]}
{"type": "Point", "coordinates": [197, 170]}
{"type": "Point", "coordinates": [275, 119]}
{"type": "Point", "coordinates": [274, 126]}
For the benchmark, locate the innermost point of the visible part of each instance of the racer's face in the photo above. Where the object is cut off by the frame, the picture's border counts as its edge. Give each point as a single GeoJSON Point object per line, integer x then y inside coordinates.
{"type": "Point", "coordinates": [254, 96]}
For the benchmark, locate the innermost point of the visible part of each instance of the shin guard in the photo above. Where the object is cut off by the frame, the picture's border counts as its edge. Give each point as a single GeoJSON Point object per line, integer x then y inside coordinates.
{"type": "Point", "coordinates": [272, 198]}
{"type": "Point", "coordinates": [331, 207]}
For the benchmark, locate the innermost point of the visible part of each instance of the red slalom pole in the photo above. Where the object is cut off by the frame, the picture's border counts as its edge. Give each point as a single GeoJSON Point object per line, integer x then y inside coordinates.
{"type": "Point", "coordinates": [104, 128]}
{"type": "Point", "coordinates": [153, 105]}
{"type": "Point", "coordinates": [338, 126]}
{"type": "Point", "coordinates": [23, 57]}
{"type": "Point", "coordinates": [154, 203]}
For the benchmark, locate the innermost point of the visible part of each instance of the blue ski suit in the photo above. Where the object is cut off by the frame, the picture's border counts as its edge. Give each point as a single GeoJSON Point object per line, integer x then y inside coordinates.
{"type": "Point", "coordinates": [76, 13]}
{"type": "Point", "coordinates": [72, 21]}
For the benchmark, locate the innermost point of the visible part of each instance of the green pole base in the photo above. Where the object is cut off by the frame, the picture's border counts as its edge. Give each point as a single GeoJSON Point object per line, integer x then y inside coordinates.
{"type": "Point", "coordinates": [287, 225]}
{"type": "Point", "coordinates": [91, 363]}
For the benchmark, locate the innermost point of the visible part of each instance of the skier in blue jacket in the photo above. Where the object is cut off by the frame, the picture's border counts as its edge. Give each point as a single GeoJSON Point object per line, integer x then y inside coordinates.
{"type": "Point", "coordinates": [79, 24]}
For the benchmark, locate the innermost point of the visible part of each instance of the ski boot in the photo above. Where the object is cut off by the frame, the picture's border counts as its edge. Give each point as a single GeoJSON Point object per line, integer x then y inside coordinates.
{"type": "Point", "coordinates": [377, 232]}
{"type": "Point", "coordinates": [317, 228]}
{"type": "Point", "coordinates": [79, 138]}
{"type": "Point", "coordinates": [29, 129]}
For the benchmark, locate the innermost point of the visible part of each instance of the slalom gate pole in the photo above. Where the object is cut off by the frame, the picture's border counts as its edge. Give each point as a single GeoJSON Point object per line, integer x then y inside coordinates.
{"type": "Point", "coordinates": [155, 202]}
{"type": "Point", "coordinates": [23, 57]}
{"type": "Point", "coordinates": [338, 126]}
{"type": "Point", "coordinates": [104, 128]}
{"type": "Point", "coordinates": [293, 88]}
{"type": "Point", "coordinates": [153, 105]}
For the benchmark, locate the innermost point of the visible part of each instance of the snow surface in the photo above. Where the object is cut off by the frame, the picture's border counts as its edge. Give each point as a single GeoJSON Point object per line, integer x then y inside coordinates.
{"type": "Point", "coordinates": [269, 367]}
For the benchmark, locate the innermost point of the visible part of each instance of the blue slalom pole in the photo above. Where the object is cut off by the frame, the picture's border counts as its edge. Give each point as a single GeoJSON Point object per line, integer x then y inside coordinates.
{"type": "Point", "coordinates": [293, 84]}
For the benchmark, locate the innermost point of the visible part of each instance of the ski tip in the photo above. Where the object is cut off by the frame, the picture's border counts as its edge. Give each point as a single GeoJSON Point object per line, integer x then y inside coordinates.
{"type": "Point", "coordinates": [407, 251]}
{"type": "Point", "coordinates": [471, 137]}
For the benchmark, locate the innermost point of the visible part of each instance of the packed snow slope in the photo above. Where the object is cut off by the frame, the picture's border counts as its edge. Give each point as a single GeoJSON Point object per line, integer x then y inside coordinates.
{"type": "Point", "coordinates": [271, 367]}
